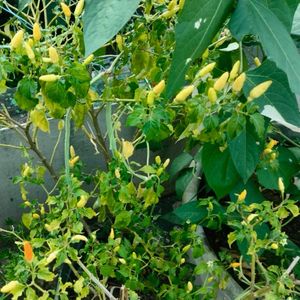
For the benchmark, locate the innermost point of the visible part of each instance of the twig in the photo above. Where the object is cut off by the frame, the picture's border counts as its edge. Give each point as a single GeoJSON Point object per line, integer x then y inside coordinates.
{"type": "Point", "coordinates": [95, 280]}
{"type": "Point", "coordinates": [292, 265]}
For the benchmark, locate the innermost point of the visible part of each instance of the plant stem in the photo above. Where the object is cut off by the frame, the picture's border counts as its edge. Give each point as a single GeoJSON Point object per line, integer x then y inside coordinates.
{"type": "Point", "coordinates": [252, 272]}
{"type": "Point", "coordinates": [99, 136]}
{"type": "Point", "coordinates": [95, 280]}
{"type": "Point", "coordinates": [67, 146]}
{"type": "Point", "coordinates": [34, 148]}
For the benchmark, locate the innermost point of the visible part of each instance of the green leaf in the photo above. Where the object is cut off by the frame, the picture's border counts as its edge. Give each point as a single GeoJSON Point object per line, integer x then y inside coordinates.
{"type": "Point", "coordinates": [258, 121]}
{"type": "Point", "coordinates": [245, 150]}
{"type": "Point", "coordinates": [79, 77]}
{"type": "Point", "coordinates": [183, 181]}
{"type": "Point", "coordinates": [192, 212]}
{"type": "Point", "coordinates": [25, 95]}
{"type": "Point", "coordinates": [27, 219]}
{"type": "Point", "coordinates": [294, 209]}
{"type": "Point", "coordinates": [123, 219]}
{"type": "Point", "coordinates": [254, 17]}
{"type": "Point", "coordinates": [287, 167]}
{"type": "Point", "coordinates": [179, 163]}
{"type": "Point", "coordinates": [103, 19]}
{"type": "Point", "coordinates": [57, 93]}
{"type": "Point", "coordinates": [198, 23]}
{"type": "Point", "coordinates": [296, 22]}
{"type": "Point", "coordinates": [278, 95]}
{"type": "Point", "coordinates": [253, 193]}
{"type": "Point", "coordinates": [45, 274]}
{"type": "Point", "coordinates": [284, 11]}
{"type": "Point", "coordinates": [219, 169]}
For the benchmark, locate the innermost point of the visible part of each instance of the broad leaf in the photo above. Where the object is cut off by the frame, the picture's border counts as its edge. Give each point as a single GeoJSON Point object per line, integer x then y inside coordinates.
{"type": "Point", "coordinates": [193, 212]}
{"type": "Point", "coordinates": [253, 193]}
{"type": "Point", "coordinates": [278, 95]}
{"type": "Point", "coordinates": [296, 22]}
{"type": "Point", "coordinates": [25, 95]}
{"type": "Point", "coordinates": [79, 78]}
{"type": "Point", "coordinates": [254, 17]}
{"type": "Point", "coordinates": [219, 169]}
{"type": "Point", "coordinates": [183, 181]}
{"type": "Point", "coordinates": [245, 150]}
{"type": "Point", "coordinates": [198, 23]}
{"type": "Point", "coordinates": [179, 163]}
{"type": "Point", "coordinates": [103, 19]}
{"type": "Point", "coordinates": [286, 168]}
{"type": "Point", "coordinates": [284, 11]}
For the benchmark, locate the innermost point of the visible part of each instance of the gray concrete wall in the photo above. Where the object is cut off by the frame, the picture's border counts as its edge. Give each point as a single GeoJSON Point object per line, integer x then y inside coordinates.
{"type": "Point", "coordinates": [12, 159]}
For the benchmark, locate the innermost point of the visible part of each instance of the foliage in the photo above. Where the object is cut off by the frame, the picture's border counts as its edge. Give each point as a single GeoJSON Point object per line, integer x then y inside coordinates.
{"type": "Point", "coordinates": [112, 233]}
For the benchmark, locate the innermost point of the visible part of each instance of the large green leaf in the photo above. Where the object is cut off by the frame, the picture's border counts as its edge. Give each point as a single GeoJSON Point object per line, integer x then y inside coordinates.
{"type": "Point", "coordinates": [194, 212]}
{"type": "Point", "coordinates": [286, 168]}
{"type": "Point", "coordinates": [198, 23]}
{"type": "Point", "coordinates": [219, 169]}
{"type": "Point", "coordinates": [183, 181]}
{"type": "Point", "coordinates": [278, 95]}
{"type": "Point", "coordinates": [254, 17]}
{"type": "Point", "coordinates": [179, 163]}
{"type": "Point", "coordinates": [79, 78]}
{"type": "Point", "coordinates": [284, 10]}
{"type": "Point", "coordinates": [296, 22]}
{"type": "Point", "coordinates": [103, 19]}
{"type": "Point", "coordinates": [25, 95]}
{"type": "Point", "coordinates": [245, 150]}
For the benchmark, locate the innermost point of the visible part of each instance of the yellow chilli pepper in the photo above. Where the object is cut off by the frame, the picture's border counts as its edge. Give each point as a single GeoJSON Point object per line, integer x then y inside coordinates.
{"type": "Point", "coordinates": [157, 160]}
{"type": "Point", "coordinates": [79, 8]}
{"type": "Point", "coordinates": [66, 10]}
{"type": "Point", "coordinates": [181, 4]}
{"type": "Point", "coordinates": [17, 40]}
{"type": "Point", "coordinates": [35, 216]}
{"type": "Point", "coordinates": [73, 161]}
{"type": "Point", "coordinates": [29, 52]}
{"type": "Point", "coordinates": [28, 252]}
{"type": "Point", "coordinates": [37, 34]}
{"type": "Point", "coordinates": [242, 196]}
{"type": "Point", "coordinates": [271, 144]}
{"type": "Point", "coordinates": [281, 185]}
{"type": "Point", "coordinates": [189, 287]}
{"type": "Point", "coordinates": [235, 265]}
{"type": "Point", "coordinates": [239, 83]}
{"type": "Point", "coordinates": [49, 78]}
{"type": "Point", "coordinates": [166, 163]}
{"type": "Point", "coordinates": [259, 90]}
{"type": "Point", "coordinates": [274, 246]}
{"type": "Point", "coordinates": [221, 81]}
{"type": "Point", "coordinates": [184, 94]}
{"type": "Point", "coordinates": [257, 61]}
{"type": "Point", "coordinates": [119, 41]}
{"type": "Point", "coordinates": [78, 238]}
{"type": "Point", "coordinates": [205, 70]}
{"type": "Point", "coordinates": [111, 234]}
{"type": "Point", "coordinates": [88, 60]}
{"type": "Point", "coordinates": [53, 54]}
{"type": "Point", "coordinates": [212, 95]}
{"type": "Point", "coordinates": [172, 4]}
{"type": "Point", "coordinates": [150, 98]}
{"type": "Point", "coordinates": [235, 70]}
{"type": "Point", "coordinates": [159, 88]}
{"type": "Point", "coordinates": [72, 152]}
{"type": "Point", "coordinates": [169, 13]}
{"type": "Point", "coordinates": [82, 201]}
